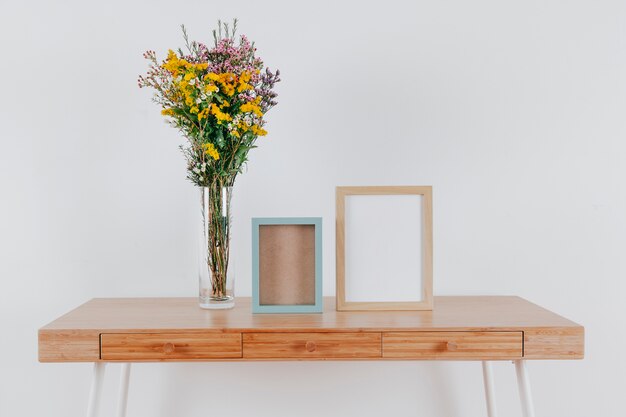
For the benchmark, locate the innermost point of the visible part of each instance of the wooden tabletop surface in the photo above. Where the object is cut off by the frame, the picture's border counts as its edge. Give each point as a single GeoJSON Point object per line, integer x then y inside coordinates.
{"type": "Point", "coordinates": [546, 334]}
{"type": "Point", "coordinates": [450, 313]}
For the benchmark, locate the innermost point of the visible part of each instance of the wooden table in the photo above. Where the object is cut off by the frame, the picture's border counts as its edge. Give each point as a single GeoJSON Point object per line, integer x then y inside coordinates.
{"type": "Point", "coordinates": [478, 328]}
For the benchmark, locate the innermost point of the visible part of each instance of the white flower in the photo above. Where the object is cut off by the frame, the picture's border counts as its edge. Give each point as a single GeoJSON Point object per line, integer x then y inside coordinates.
{"type": "Point", "coordinates": [196, 170]}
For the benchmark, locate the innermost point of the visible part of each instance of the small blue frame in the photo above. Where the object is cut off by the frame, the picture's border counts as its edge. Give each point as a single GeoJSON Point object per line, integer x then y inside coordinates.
{"type": "Point", "coordinates": [309, 308]}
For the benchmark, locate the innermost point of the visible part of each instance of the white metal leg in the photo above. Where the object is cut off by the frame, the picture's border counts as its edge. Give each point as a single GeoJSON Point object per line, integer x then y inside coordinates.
{"type": "Point", "coordinates": [523, 385]}
{"type": "Point", "coordinates": [490, 393]}
{"type": "Point", "coordinates": [96, 389]}
{"type": "Point", "coordinates": [123, 392]}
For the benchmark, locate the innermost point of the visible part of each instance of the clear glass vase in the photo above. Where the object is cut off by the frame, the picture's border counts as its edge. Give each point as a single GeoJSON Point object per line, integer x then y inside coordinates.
{"type": "Point", "coordinates": [217, 278]}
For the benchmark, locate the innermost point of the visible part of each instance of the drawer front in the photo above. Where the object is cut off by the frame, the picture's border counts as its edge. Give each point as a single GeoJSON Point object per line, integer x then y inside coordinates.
{"type": "Point", "coordinates": [311, 345]}
{"type": "Point", "coordinates": [452, 345]}
{"type": "Point", "coordinates": [169, 346]}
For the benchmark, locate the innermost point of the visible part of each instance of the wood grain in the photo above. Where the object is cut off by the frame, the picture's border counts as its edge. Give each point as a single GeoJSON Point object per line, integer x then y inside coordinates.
{"type": "Point", "coordinates": [69, 345]}
{"type": "Point", "coordinates": [452, 345]}
{"type": "Point", "coordinates": [169, 346]}
{"type": "Point", "coordinates": [75, 336]}
{"type": "Point", "coordinates": [551, 343]}
{"type": "Point", "coordinates": [311, 345]}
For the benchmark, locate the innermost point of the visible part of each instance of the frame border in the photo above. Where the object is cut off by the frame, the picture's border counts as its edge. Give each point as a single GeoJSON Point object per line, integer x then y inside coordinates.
{"type": "Point", "coordinates": [427, 248]}
{"type": "Point", "coordinates": [287, 308]}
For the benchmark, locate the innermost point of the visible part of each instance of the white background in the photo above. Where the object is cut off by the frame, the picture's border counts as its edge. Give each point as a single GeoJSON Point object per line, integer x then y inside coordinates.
{"type": "Point", "coordinates": [513, 111]}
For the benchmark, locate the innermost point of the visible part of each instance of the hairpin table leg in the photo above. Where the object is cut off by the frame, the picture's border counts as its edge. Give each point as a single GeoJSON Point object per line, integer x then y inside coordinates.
{"type": "Point", "coordinates": [123, 393]}
{"type": "Point", "coordinates": [490, 394]}
{"type": "Point", "coordinates": [96, 389]}
{"type": "Point", "coordinates": [523, 385]}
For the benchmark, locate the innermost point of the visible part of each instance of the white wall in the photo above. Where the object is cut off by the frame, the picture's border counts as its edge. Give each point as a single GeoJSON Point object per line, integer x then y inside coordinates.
{"type": "Point", "coordinates": [513, 111]}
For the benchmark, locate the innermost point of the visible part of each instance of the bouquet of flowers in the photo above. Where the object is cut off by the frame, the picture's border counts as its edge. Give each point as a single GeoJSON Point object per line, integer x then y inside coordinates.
{"type": "Point", "coordinates": [217, 97]}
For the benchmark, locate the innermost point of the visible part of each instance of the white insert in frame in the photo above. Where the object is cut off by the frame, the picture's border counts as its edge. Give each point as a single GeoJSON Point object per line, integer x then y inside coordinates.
{"type": "Point", "coordinates": [383, 248]}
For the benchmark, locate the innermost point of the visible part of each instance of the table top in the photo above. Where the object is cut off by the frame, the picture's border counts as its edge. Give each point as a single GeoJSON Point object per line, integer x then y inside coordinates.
{"type": "Point", "coordinates": [75, 336]}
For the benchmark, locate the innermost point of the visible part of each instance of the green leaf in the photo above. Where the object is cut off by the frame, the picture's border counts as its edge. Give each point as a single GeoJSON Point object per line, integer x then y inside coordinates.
{"type": "Point", "coordinates": [219, 139]}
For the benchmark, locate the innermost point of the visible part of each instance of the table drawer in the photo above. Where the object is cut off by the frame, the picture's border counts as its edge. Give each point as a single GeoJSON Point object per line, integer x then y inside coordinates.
{"type": "Point", "coordinates": [452, 345]}
{"type": "Point", "coordinates": [311, 345]}
{"type": "Point", "coordinates": [169, 346]}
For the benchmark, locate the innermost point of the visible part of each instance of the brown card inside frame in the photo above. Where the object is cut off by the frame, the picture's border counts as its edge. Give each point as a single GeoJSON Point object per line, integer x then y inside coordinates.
{"type": "Point", "coordinates": [287, 264]}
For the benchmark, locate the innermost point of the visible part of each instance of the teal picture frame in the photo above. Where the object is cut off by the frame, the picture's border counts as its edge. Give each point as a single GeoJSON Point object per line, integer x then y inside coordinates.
{"type": "Point", "coordinates": [257, 307]}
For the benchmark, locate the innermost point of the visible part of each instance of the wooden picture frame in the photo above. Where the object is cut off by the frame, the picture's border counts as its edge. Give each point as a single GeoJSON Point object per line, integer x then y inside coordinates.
{"type": "Point", "coordinates": [287, 265]}
{"type": "Point", "coordinates": [423, 223]}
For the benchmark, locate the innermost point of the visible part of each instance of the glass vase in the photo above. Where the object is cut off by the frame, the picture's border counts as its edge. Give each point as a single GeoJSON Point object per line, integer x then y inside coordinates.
{"type": "Point", "coordinates": [216, 275]}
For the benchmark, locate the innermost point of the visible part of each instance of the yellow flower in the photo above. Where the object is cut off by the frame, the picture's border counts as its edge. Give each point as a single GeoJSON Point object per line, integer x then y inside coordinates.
{"type": "Point", "coordinates": [210, 88]}
{"type": "Point", "coordinates": [173, 64]}
{"type": "Point", "coordinates": [245, 77]}
{"type": "Point", "coordinates": [219, 114]}
{"type": "Point", "coordinates": [209, 149]}
{"type": "Point", "coordinates": [244, 80]}
{"type": "Point", "coordinates": [203, 114]}
{"type": "Point", "coordinates": [167, 112]}
{"type": "Point", "coordinates": [251, 106]}
{"type": "Point", "coordinates": [194, 110]}
{"type": "Point", "coordinates": [229, 89]}
{"type": "Point", "coordinates": [258, 130]}
{"type": "Point", "coordinates": [226, 79]}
